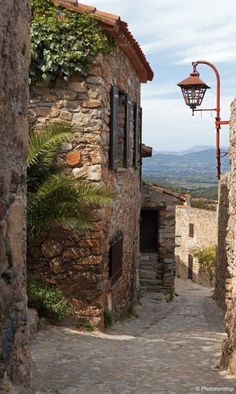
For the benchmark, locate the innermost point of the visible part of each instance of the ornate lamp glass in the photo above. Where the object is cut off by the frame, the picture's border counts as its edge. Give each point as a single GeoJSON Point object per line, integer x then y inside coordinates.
{"type": "Point", "coordinates": [193, 89]}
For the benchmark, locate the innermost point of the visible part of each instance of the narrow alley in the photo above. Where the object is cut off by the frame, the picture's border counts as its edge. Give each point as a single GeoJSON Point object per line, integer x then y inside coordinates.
{"type": "Point", "coordinates": [167, 348]}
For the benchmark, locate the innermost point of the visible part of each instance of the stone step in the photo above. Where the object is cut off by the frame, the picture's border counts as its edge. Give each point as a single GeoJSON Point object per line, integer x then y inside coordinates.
{"type": "Point", "coordinates": [152, 289]}
{"type": "Point", "coordinates": [148, 267]}
{"type": "Point", "coordinates": [147, 274]}
{"type": "Point", "coordinates": [150, 282]}
{"type": "Point", "coordinates": [151, 260]}
{"type": "Point", "coordinates": [148, 261]}
{"type": "Point", "coordinates": [148, 254]}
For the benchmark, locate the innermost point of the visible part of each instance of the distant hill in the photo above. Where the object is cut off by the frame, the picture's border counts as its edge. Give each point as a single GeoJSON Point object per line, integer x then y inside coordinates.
{"type": "Point", "coordinates": [193, 169]}
{"type": "Point", "coordinates": [193, 149]}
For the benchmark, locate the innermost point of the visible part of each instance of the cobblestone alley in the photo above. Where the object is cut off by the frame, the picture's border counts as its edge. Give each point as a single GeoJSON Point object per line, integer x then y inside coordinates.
{"type": "Point", "coordinates": [169, 348]}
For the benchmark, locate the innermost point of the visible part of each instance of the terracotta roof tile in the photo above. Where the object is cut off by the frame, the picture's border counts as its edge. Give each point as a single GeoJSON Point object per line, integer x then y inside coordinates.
{"type": "Point", "coordinates": [160, 189]}
{"type": "Point", "coordinates": [117, 27]}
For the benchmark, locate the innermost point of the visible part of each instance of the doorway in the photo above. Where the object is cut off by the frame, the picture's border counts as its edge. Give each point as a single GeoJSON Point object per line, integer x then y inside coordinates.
{"type": "Point", "coordinates": [149, 230]}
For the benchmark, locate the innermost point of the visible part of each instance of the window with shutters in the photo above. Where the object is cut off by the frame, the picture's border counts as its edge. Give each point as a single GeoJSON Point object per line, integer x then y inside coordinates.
{"type": "Point", "coordinates": [120, 129]}
{"type": "Point", "coordinates": [191, 230]}
{"type": "Point", "coordinates": [137, 136]}
{"type": "Point", "coordinates": [116, 259]}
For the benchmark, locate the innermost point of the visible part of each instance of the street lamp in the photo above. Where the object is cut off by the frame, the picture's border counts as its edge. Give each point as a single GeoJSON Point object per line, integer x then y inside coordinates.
{"type": "Point", "coordinates": [194, 89]}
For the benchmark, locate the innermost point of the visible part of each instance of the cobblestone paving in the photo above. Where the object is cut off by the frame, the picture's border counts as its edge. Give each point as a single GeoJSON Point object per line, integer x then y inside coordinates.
{"type": "Point", "coordinates": [169, 348]}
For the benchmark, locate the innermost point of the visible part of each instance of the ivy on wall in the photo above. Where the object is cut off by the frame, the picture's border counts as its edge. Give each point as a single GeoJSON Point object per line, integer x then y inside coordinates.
{"type": "Point", "coordinates": [63, 42]}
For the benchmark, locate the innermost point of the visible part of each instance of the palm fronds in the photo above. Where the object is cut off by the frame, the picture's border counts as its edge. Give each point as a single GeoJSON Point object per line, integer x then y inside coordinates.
{"type": "Point", "coordinates": [54, 197]}
{"type": "Point", "coordinates": [44, 145]}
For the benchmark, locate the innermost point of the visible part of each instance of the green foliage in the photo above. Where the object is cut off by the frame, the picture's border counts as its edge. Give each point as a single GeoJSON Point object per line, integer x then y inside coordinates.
{"type": "Point", "coordinates": [204, 204]}
{"type": "Point", "coordinates": [42, 321]}
{"type": "Point", "coordinates": [43, 146]}
{"type": "Point", "coordinates": [207, 260]}
{"type": "Point", "coordinates": [131, 312]}
{"type": "Point", "coordinates": [108, 318]}
{"type": "Point", "coordinates": [139, 295]}
{"type": "Point", "coordinates": [63, 42]}
{"type": "Point", "coordinates": [47, 300]}
{"type": "Point", "coordinates": [55, 198]}
{"type": "Point", "coordinates": [85, 325]}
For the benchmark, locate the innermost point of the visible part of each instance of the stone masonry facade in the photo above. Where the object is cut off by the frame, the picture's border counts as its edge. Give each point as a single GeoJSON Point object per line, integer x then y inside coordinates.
{"type": "Point", "coordinates": [223, 218]}
{"type": "Point", "coordinates": [79, 265]}
{"type": "Point", "coordinates": [195, 228]}
{"type": "Point", "coordinates": [15, 376]}
{"type": "Point", "coordinates": [229, 345]}
{"type": "Point", "coordinates": [164, 202]}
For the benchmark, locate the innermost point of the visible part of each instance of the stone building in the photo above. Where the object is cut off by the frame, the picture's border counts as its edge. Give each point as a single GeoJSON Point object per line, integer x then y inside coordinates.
{"type": "Point", "coordinates": [157, 238]}
{"type": "Point", "coordinates": [195, 228]}
{"type": "Point", "coordinates": [14, 59]}
{"type": "Point", "coordinates": [223, 218]}
{"type": "Point", "coordinates": [99, 270]}
{"type": "Point", "coordinates": [229, 272]}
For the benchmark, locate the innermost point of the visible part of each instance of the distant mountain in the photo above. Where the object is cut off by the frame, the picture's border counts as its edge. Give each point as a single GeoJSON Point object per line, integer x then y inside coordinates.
{"type": "Point", "coordinates": [193, 149]}
{"type": "Point", "coordinates": [197, 148]}
{"type": "Point", "coordinates": [195, 169]}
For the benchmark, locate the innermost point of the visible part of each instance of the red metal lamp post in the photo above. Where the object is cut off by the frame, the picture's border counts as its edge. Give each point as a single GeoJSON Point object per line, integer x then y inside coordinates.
{"type": "Point", "coordinates": [194, 89]}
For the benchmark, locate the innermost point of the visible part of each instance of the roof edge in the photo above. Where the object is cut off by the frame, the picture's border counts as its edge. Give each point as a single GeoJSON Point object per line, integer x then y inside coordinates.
{"type": "Point", "coordinates": [115, 26]}
{"type": "Point", "coordinates": [178, 196]}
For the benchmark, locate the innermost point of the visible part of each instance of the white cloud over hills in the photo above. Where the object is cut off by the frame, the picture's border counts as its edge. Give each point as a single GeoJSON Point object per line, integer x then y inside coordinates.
{"type": "Point", "coordinates": [172, 34]}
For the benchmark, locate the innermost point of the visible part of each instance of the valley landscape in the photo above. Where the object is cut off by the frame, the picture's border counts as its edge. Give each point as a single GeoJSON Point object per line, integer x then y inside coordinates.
{"type": "Point", "coordinates": [191, 171]}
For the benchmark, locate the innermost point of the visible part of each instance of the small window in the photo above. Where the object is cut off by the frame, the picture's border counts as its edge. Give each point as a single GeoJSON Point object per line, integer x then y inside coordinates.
{"type": "Point", "coordinates": [116, 259]}
{"type": "Point", "coordinates": [120, 129]}
{"type": "Point", "coordinates": [191, 230]}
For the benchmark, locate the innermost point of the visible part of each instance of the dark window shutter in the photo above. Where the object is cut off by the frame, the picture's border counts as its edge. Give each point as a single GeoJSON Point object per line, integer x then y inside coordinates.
{"type": "Point", "coordinates": [191, 230]}
{"type": "Point", "coordinates": [127, 130]}
{"type": "Point", "coordinates": [114, 127]}
{"type": "Point", "coordinates": [141, 139]}
{"type": "Point", "coordinates": [136, 135]}
{"type": "Point", "coordinates": [116, 259]}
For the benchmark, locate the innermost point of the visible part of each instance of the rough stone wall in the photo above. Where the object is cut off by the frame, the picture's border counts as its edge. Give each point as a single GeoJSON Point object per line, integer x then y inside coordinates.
{"type": "Point", "coordinates": [80, 265]}
{"type": "Point", "coordinates": [205, 234]}
{"type": "Point", "coordinates": [223, 217]}
{"type": "Point", "coordinates": [229, 345]}
{"type": "Point", "coordinates": [14, 60]}
{"type": "Point", "coordinates": [156, 197]}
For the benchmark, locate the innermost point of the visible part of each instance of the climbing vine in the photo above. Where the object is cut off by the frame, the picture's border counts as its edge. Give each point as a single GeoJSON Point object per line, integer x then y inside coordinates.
{"type": "Point", "coordinates": [63, 42]}
{"type": "Point", "coordinates": [207, 260]}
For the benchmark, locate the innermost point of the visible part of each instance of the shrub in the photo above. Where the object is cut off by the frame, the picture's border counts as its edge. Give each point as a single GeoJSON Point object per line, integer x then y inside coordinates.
{"type": "Point", "coordinates": [63, 42]}
{"type": "Point", "coordinates": [55, 198]}
{"type": "Point", "coordinates": [207, 260]}
{"type": "Point", "coordinates": [47, 300]}
{"type": "Point", "coordinates": [131, 312]}
{"type": "Point", "coordinates": [108, 318]}
{"type": "Point", "coordinates": [85, 325]}
{"type": "Point", "coordinates": [139, 295]}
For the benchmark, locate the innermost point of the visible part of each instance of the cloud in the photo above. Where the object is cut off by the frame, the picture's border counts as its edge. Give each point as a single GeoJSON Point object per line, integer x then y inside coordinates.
{"type": "Point", "coordinates": [173, 33]}
{"type": "Point", "coordinates": [190, 28]}
{"type": "Point", "coordinates": [169, 125]}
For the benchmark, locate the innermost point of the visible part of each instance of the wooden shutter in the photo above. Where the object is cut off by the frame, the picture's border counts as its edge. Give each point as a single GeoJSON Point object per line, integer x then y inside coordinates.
{"type": "Point", "coordinates": [114, 127]}
{"type": "Point", "coordinates": [127, 131]}
{"type": "Point", "coordinates": [191, 230]}
{"type": "Point", "coordinates": [136, 135]}
{"type": "Point", "coordinates": [116, 259]}
{"type": "Point", "coordinates": [140, 141]}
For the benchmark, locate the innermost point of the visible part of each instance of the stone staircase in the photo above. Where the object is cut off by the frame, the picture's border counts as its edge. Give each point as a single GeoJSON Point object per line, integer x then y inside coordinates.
{"type": "Point", "coordinates": [150, 272]}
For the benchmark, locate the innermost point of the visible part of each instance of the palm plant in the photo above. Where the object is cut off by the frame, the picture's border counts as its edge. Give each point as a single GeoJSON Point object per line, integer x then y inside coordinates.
{"type": "Point", "coordinates": [56, 198]}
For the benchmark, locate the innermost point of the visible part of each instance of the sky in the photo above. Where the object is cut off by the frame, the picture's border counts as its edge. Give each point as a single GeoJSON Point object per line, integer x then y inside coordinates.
{"type": "Point", "coordinates": [172, 34]}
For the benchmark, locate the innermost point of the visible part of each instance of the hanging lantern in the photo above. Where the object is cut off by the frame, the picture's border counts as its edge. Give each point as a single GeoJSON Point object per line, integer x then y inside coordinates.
{"type": "Point", "coordinates": [193, 89]}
